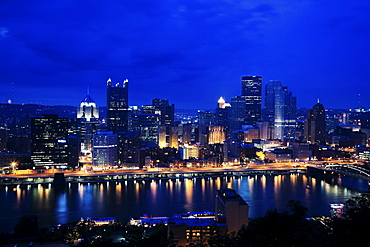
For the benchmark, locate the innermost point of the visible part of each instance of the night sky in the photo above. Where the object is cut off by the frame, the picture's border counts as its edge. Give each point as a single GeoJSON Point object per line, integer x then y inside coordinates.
{"type": "Point", "coordinates": [190, 52]}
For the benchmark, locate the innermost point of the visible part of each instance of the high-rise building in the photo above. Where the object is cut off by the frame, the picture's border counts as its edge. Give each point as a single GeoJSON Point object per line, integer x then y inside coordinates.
{"type": "Point", "coordinates": [166, 114]}
{"type": "Point", "coordinates": [88, 109]}
{"type": "Point", "coordinates": [186, 133]}
{"type": "Point", "coordinates": [216, 134]}
{"type": "Point", "coordinates": [206, 118]}
{"type": "Point", "coordinates": [237, 113]}
{"type": "Point", "coordinates": [252, 92]}
{"type": "Point", "coordinates": [315, 125]}
{"type": "Point", "coordinates": [174, 137]}
{"type": "Point", "coordinates": [222, 113]}
{"type": "Point", "coordinates": [281, 108]}
{"type": "Point", "coordinates": [165, 110]}
{"type": "Point", "coordinates": [49, 136]}
{"type": "Point", "coordinates": [3, 139]}
{"type": "Point", "coordinates": [88, 120]}
{"type": "Point", "coordinates": [117, 106]}
{"type": "Point", "coordinates": [147, 125]}
{"type": "Point", "coordinates": [129, 148]}
{"type": "Point", "coordinates": [269, 111]}
{"type": "Point", "coordinates": [104, 152]}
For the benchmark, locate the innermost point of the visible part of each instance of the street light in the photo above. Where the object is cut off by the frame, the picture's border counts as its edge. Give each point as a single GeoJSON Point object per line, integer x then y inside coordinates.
{"type": "Point", "coordinates": [13, 165]}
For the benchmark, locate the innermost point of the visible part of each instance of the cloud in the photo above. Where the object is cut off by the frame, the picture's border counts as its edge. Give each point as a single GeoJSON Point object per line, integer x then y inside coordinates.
{"type": "Point", "coordinates": [3, 32]}
{"type": "Point", "coordinates": [202, 47]}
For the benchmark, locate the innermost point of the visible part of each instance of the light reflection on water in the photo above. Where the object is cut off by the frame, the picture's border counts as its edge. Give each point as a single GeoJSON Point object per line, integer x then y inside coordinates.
{"type": "Point", "coordinates": [165, 197]}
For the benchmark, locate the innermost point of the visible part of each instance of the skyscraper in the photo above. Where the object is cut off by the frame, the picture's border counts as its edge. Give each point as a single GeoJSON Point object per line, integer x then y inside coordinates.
{"type": "Point", "coordinates": [49, 136]}
{"type": "Point", "coordinates": [280, 111]}
{"type": "Point", "coordinates": [146, 123]}
{"type": "Point", "coordinates": [237, 113]}
{"type": "Point", "coordinates": [104, 151]}
{"type": "Point", "coordinates": [88, 120]}
{"type": "Point", "coordinates": [252, 92]}
{"type": "Point", "coordinates": [166, 120]}
{"type": "Point", "coordinates": [117, 106]}
{"type": "Point", "coordinates": [166, 111]}
{"type": "Point", "coordinates": [222, 113]}
{"type": "Point", "coordinates": [269, 111]}
{"type": "Point", "coordinates": [315, 125]}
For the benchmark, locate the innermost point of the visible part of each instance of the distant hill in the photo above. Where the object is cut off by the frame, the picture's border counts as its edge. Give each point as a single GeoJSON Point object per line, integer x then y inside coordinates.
{"type": "Point", "coordinates": [10, 111]}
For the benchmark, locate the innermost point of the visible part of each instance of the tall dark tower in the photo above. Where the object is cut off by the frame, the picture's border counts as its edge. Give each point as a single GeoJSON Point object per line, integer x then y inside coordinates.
{"type": "Point", "coordinates": [166, 111]}
{"type": "Point", "coordinates": [315, 125]}
{"type": "Point", "coordinates": [49, 136]}
{"type": "Point", "coordinates": [237, 113]}
{"type": "Point", "coordinates": [117, 106]}
{"type": "Point", "coordinates": [252, 92]}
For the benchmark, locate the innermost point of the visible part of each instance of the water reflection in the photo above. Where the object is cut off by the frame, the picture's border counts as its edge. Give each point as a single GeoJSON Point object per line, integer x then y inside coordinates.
{"type": "Point", "coordinates": [165, 197]}
{"type": "Point", "coordinates": [153, 189]}
{"type": "Point", "coordinates": [188, 195]}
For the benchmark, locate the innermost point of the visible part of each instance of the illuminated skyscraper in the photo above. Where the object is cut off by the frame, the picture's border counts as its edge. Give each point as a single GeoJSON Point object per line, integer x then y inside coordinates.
{"type": "Point", "coordinates": [216, 134]}
{"type": "Point", "coordinates": [280, 110]}
{"type": "Point", "coordinates": [222, 114]}
{"type": "Point", "coordinates": [269, 111]}
{"type": "Point", "coordinates": [117, 106]}
{"type": "Point", "coordinates": [252, 92]}
{"type": "Point", "coordinates": [166, 114]}
{"type": "Point", "coordinates": [88, 116]}
{"type": "Point", "coordinates": [88, 109]}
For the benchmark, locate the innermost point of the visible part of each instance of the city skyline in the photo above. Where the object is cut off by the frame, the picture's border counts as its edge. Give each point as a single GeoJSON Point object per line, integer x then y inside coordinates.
{"type": "Point", "coordinates": [189, 53]}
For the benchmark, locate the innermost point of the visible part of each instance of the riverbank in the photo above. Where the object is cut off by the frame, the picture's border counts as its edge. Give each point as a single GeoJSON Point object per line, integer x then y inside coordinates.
{"type": "Point", "coordinates": [27, 178]}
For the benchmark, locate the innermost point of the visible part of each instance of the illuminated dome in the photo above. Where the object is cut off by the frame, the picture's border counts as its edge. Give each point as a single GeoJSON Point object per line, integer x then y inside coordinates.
{"type": "Point", "coordinates": [87, 109]}
{"type": "Point", "coordinates": [222, 103]}
{"type": "Point", "coordinates": [221, 100]}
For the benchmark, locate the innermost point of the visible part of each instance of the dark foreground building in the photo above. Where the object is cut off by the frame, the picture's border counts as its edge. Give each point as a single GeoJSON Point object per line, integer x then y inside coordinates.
{"type": "Point", "coordinates": [231, 214]}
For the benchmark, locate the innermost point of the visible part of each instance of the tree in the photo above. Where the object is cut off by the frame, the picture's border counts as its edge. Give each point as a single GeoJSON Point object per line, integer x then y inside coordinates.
{"type": "Point", "coordinates": [352, 229]}
{"type": "Point", "coordinates": [290, 228]}
{"type": "Point", "coordinates": [27, 226]}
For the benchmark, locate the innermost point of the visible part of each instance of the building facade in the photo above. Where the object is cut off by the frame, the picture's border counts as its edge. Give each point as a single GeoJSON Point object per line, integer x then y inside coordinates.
{"type": "Point", "coordinates": [104, 152]}
{"type": "Point", "coordinates": [252, 92]}
{"type": "Point", "coordinates": [315, 125]}
{"type": "Point", "coordinates": [117, 106]}
{"type": "Point", "coordinates": [88, 120]}
{"type": "Point", "coordinates": [49, 138]}
{"type": "Point", "coordinates": [280, 110]}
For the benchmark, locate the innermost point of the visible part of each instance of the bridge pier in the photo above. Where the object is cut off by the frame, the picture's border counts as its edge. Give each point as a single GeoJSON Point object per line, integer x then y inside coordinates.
{"type": "Point", "coordinates": [59, 179]}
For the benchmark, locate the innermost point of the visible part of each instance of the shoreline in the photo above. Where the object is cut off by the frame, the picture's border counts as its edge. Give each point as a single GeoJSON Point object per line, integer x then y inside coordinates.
{"type": "Point", "coordinates": [128, 175]}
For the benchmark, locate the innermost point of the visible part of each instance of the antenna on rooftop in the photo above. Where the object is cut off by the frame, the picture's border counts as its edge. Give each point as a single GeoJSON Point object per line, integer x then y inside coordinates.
{"type": "Point", "coordinates": [11, 100]}
{"type": "Point", "coordinates": [359, 100]}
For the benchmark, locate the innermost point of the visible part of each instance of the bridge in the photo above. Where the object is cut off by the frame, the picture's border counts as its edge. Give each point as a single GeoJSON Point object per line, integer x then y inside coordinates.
{"type": "Point", "coordinates": [352, 170]}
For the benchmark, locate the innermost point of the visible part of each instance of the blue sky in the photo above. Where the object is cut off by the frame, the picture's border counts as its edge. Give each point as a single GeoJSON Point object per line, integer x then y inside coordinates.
{"type": "Point", "coordinates": [190, 52]}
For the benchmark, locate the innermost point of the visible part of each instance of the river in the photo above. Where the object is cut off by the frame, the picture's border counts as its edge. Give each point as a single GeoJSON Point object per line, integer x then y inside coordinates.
{"type": "Point", "coordinates": [123, 200]}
